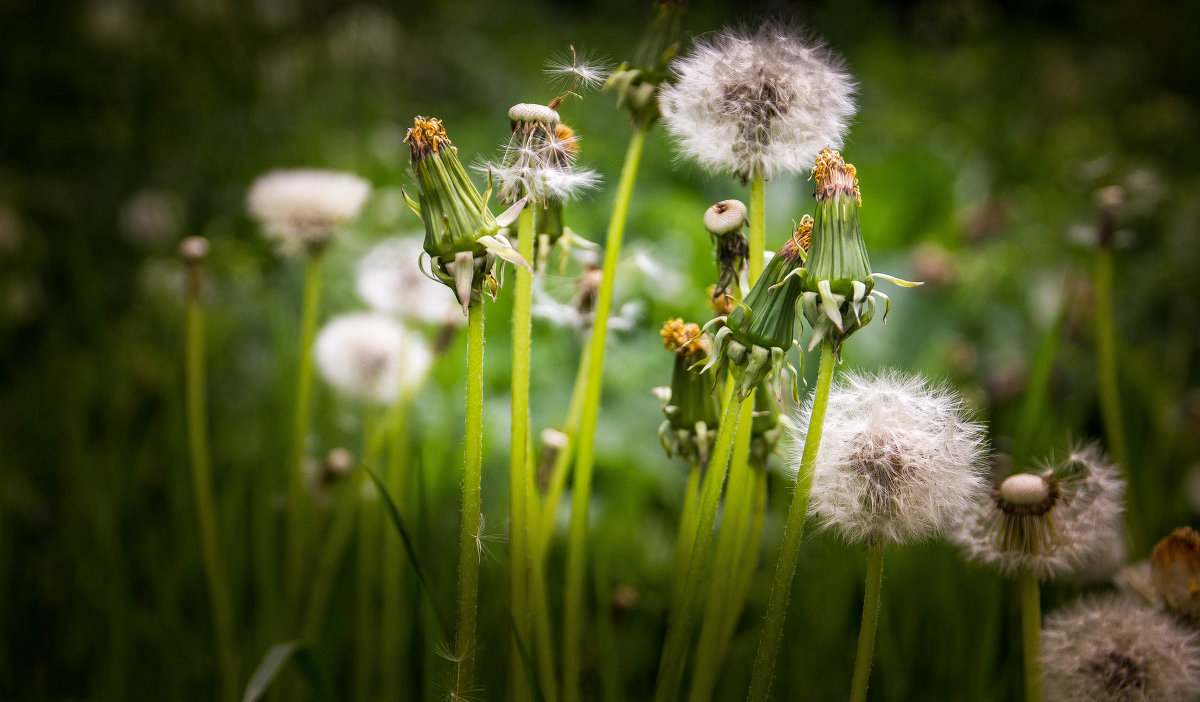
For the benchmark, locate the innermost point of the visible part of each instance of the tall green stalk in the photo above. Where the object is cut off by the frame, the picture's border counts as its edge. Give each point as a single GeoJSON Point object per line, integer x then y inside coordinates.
{"type": "Point", "coordinates": [472, 508]}
{"type": "Point", "coordinates": [870, 622]}
{"type": "Point", "coordinates": [297, 525]}
{"type": "Point", "coordinates": [396, 612]}
{"type": "Point", "coordinates": [219, 595]}
{"type": "Point", "coordinates": [574, 601]}
{"type": "Point", "coordinates": [366, 589]}
{"type": "Point", "coordinates": [793, 532]}
{"type": "Point", "coordinates": [521, 479]}
{"type": "Point", "coordinates": [1031, 635]}
{"type": "Point", "coordinates": [1106, 360]}
{"type": "Point", "coordinates": [686, 537]}
{"type": "Point", "coordinates": [758, 226]}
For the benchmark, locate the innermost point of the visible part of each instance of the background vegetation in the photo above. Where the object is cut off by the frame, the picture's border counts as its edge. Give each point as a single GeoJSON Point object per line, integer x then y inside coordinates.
{"type": "Point", "coordinates": [982, 138]}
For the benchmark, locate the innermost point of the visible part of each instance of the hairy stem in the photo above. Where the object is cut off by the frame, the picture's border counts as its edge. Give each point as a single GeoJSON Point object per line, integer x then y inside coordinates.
{"type": "Point", "coordinates": [870, 622]}
{"type": "Point", "coordinates": [1031, 635]}
{"type": "Point", "coordinates": [582, 491]}
{"type": "Point", "coordinates": [468, 542]}
{"type": "Point", "coordinates": [793, 532]}
{"type": "Point", "coordinates": [520, 478]}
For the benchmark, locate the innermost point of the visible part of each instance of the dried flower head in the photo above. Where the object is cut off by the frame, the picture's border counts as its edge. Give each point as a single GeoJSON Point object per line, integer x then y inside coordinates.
{"type": "Point", "coordinates": [302, 209]}
{"type": "Point", "coordinates": [689, 405]}
{"type": "Point", "coordinates": [762, 102]}
{"type": "Point", "coordinates": [389, 279]}
{"type": "Point", "coordinates": [899, 459]}
{"type": "Point", "coordinates": [1110, 648]}
{"type": "Point", "coordinates": [371, 357]}
{"type": "Point", "coordinates": [539, 160]}
{"type": "Point", "coordinates": [1175, 572]}
{"type": "Point", "coordinates": [724, 222]}
{"type": "Point", "coordinates": [1051, 522]}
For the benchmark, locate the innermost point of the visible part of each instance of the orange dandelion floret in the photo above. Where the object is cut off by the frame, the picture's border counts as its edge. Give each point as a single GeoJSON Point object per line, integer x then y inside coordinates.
{"type": "Point", "coordinates": [426, 136]}
{"type": "Point", "coordinates": [803, 234]}
{"type": "Point", "coordinates": [834, 176]}
{"type": "Point", "coordinates": [679, 336]}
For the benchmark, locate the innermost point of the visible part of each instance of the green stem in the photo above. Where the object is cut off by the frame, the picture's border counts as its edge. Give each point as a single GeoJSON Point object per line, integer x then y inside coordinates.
{"type": "Point", "coordinates": [582, 491]}
{"type": "Point", "coordinates": [748, 555]}
{"type": "Point", "coordinates": [214, 565]}
{"type": "Point", "coordinates": [472, 509]}
{"type": "Point", "coordinates": [521, 481]}
{"type": "Point", "coordinates": [735, 521]}
{"type": "Point", "coordinates": [543, 634]}
{"type": "Point", "coordinates": [366, 582]}
{"type": "Point", "coordinates": [298, 501]}
{"type": "Point", "coordinates": [395, 614]}
{"type": "Point", "coordinates": [685, 610]}
{"type": "Point", "coordinates": [870, 621]}
{"type": "Point", "coordinates": [1031, 634]}
{"type": "Point", "coordinates": [793, 532]}
{"type": "Point", "coordinates": [758, 226]}
{"type": "Point", "coordinates": [1035, 394]}
{"type": "Point", "coordinates": [1106, 362]}
{"type": "Point", "coordinates": [562, 462]}
{"type": "Point", "coordinates": [686, 538]}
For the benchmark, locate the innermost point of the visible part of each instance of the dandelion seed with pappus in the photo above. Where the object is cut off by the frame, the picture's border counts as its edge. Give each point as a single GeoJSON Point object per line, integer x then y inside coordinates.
{"type": "Point", "coordinates": [1109, 648]}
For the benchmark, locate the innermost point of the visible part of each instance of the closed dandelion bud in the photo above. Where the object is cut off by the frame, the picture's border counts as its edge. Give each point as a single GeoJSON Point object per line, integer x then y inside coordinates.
{"type": "Point", "coordinates": [899, 461]}
{"type": "Point", "coordinates": [461, 235]}
{"type": "Point", "coordinates": [691, 410]}
{"type": "Point", "coordinates": [636, 82]}
{"type": "Point", "coordinates": [1109, 648]}
{"type": "Point", "coordinates": [757, 334]}
{"type": "Point", "coordinates": [724, 222]}
{"type": "Point", "coordinates": [839, 288]}
{"type": "Point", "coordinates": [1051, 522]}
{"type": "Point", "coordinates": [1175, 572]}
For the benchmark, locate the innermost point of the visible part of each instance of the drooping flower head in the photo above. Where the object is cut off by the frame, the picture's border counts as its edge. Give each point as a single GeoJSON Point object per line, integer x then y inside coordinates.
{"type": "Point", "coordinates": [1175, 572]}
{"type": "Point", "coordinates": [371, 357]}
{"type": "Point", "coordinates": [724, 222]}
{"type": "Point", "coordinates": [462, 237]}
{"type": "Point", "coordinates": [690, 407]}
{"type": "Point", "coordinates": [636, 82]}
{"type": "Point", "coordinates": [762, 102]}
{"type": "Point", "coordinates": [1050, 522]}
{"type": "Point", "coordinates": [1110, 648]}
{"type": "Point", "coordinates": [899, 461]}
{"type": "Point", "coordinates": [301, 210]}
{"type": "Point", "coordinates": [389, 279]}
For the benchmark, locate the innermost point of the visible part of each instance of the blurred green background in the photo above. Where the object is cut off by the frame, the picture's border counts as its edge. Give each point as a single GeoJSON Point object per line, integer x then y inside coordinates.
{"type": "Point", "coordinates": [983, 135]}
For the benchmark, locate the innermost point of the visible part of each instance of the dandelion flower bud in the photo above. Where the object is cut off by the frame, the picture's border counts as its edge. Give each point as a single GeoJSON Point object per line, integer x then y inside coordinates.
{"type": "Point", "coordinates": [689, 405]}
{"type": "Point", "coordinates": [389, 279]}
{"type": "Point", "coordinates": [302, 209]}
{"type": "Point", "coordinates": [1051, 522]}
{"type": "Point", "coordinates": [371, 357]}
{"type": "Point", "coordinates": [758, 103]}
{"type": "Point", "coordinates": [636, 82]}
{"type": "Point", "coordinates": [1175, 572]}
{"type": "Point", "coordinates": [1110, 648]}
{"type": "Point", "coordinates": [899, 459]}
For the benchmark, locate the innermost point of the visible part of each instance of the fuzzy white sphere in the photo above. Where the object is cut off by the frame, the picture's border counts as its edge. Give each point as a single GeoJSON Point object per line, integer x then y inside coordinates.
{"type": "Point", "coordinates": [899, 459]}
{"type": "Point", "coordinates": [301, 209]}
{"type": "Point", "coordinates": [764, 102]}
{"type": "Point", "coordinates": [371, 357]}
{"type": "Point", "coordinates": [1111, 648]}
{"type": "Point", "coordinates": [389, 279]}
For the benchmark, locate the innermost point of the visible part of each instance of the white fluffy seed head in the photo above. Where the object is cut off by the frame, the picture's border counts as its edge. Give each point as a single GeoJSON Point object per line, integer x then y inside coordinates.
{"type": "Point", "coordinates": [1111, 648]}
{"type": "Point", "coordinates": [540, 163]}
{"type": "Point", "coordinates": [899, 459]}
{"type": "Point", "coordinates": [761, 102]}
{"type": "Point", "coordinates": [301, 209]}
{"type": "Point", "coordinates": [1060, 536]}
{"type": "Point", "coordinates": [389, 279]}
{"type": "Point", "coordinates": [725, 216]}
{"type": "Point", "coordinates": [371, 357]}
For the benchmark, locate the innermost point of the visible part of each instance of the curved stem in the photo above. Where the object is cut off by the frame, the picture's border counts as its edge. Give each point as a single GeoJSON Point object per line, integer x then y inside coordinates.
{"type": "Point", "coordinates": [214, 565]}
{"type": "Point", "coordinates": [870, 621]}
{"type": "Point", "coordinates": [793, 532]}
{"type": "Point", "coordinates": [298, 501]}
{"type": "Point", "coordinates": [469, 536]}
{"type": "Point", "coordinates": [1031, 634]}
{"type": "Point", "coordinates": [581, 496]}
{"type": "Point", "coordinates": [520, 478]}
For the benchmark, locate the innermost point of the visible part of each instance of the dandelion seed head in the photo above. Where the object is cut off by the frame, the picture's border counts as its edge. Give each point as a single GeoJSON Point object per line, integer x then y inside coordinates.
{"type": "Point", "coordinates": [371, 357]}
{"type": "Point", "coordinates": [758, 102]}
{"type": "Point", "coordinates": [539, 159]}
{"type": "Point", "coordinates": [1053, 522]}
{"type": "Point", "coordinates": [389, 279]}
{"type": "Point", "coordinates": [1111, 648]}
{"type": "Point", "coordinates": [725, 216]}
{"type": "Point", "coordinates": [301, 209]}
{"type": "Point", "coordinates": [899, 460]}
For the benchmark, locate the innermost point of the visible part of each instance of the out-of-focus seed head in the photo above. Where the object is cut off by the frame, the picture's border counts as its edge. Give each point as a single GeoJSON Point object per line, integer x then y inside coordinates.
{"type": "Point", "coordinates": [1175, 572]}
{"type": "Point", "coordinates": [301, 210]}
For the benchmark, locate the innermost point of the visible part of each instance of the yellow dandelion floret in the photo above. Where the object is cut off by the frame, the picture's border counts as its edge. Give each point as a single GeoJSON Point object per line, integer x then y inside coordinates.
{"type": "Point", "coordinates": [426, 136]}
{"type": "Point", "coordinates": [681, 337]}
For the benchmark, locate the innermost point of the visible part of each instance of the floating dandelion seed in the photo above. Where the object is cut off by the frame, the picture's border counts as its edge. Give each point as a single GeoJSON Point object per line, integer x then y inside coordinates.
{"type": "Point", "coordinates": [1110, 648]}
{"type": "Point", "coordinates": [576, 70]}
{"type": "Point", "coordinates": [301, 209]}
{"type": "Point", "coordinates": [371, 357]}
{"type": "Point", "coordinates": [1050, 522]}
{"type": "Point", "coordinates": [758, 103]}
{"type": "Point", "coordinates": [899, 459]}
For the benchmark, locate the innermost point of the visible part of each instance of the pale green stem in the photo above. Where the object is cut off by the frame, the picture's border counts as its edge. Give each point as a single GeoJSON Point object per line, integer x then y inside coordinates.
{"type": "Point", "coordinates": [686, 537]}
{"type": "Point", "coordinates": [582, 490]}
{"type": "Point", "coordinates": [748, 555]}
{"type": "Point", "coordinates": [219, 595]}
{"type": "Point", "coordinates": [870, 622]}
{"type": "Point", "coordinates": [718, 607]}
{"type": "Point", "coordinates": [1109, 386]}
{"type": "Point", "coordinates": [1031, 634]}
{"type": "Point", "coordinates": [562, 462]}
{"type": "Point", "coordinates": [298, 499]}
{"type": "Point", "coordinates": [543, 635]}
{"type": "Point", "coordinates": [396, 612]}
{"type": "Point", "coordinates": [758, 226]}
{"type": "Point", "coordinates": [793, 532]}
{"type": "Point", "coordinates": [366, 586]}
{"type": "Point", "coordinates": [684, 611]}
{"type": "Point", "coordinates": [469, 544]}
{"type": "Point", "coordinates": [521, 480]}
